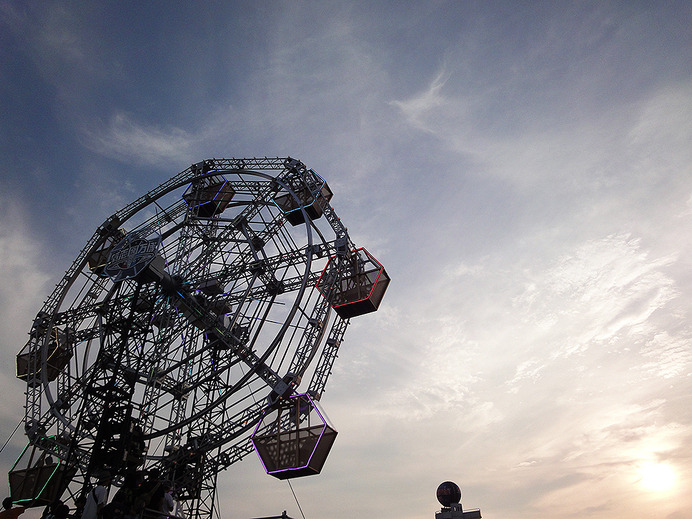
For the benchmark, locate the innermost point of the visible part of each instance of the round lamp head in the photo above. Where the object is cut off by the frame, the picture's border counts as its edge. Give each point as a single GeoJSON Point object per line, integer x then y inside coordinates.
{"type": "Point", "coordinates": [448, 493]}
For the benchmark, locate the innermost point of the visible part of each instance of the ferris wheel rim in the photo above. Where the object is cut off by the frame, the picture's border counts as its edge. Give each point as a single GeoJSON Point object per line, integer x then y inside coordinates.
{"type": "Point", "coordinates": [47, 389]}
{"type": "Point", "coordinates": [248, 251]}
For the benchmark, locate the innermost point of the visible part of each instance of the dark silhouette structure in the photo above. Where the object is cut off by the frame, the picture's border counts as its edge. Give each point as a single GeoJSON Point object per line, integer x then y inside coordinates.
{"type": "Point", "coordinates": [449, 496]}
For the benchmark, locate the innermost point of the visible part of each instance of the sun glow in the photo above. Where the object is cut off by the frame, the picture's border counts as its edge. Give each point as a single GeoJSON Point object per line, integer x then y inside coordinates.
{"type": "Point", "coordinates": [657, 477]}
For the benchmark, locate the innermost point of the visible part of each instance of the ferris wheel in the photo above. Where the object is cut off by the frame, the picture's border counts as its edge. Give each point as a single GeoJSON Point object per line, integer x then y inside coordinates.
{"type": "Point", "coordinates": [198, 323]}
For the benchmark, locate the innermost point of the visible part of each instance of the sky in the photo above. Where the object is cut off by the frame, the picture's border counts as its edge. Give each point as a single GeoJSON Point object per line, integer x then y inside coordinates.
{"type": "Point", "coordinates": [522, 169]}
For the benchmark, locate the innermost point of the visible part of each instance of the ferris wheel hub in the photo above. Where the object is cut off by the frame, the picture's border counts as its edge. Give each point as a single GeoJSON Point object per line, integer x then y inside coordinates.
{"type": "Point", "coordinates": [191, 315]}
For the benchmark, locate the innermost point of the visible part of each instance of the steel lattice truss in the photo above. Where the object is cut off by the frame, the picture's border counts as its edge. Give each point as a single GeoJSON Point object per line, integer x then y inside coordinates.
{"type": "Point", "coordinates": [172, 368]}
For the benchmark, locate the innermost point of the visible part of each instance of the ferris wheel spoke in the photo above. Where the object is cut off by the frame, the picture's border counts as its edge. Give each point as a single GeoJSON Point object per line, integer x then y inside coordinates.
{"type": "Point", "coordinates": [187, 314]}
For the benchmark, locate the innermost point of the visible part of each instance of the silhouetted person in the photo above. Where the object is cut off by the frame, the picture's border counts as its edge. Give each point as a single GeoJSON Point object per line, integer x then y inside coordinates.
{"type": "Point", "coordinates": [97, 498]}
{"type": "Point", "coordinates": [147, 491]}
{"type": "Point", "coordinates": [165, 499]}
{"type": "Point", "coordinates": [79, 506]}
{"type": "Point", "coordinates": [124, 499]}
{"type": "Point", "coordinates": [61, 512]}
{"type": "Point", "coordinates": [8, 511]}
{"type": "Point", "coordinates": [49, 511]}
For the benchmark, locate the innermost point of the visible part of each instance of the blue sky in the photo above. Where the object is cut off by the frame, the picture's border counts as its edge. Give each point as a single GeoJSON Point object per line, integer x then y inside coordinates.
{"type": "Point", "coordinates": [522, 169]}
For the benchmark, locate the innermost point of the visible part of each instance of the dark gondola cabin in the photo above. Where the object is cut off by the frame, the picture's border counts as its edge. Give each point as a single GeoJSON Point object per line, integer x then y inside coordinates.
{"type": "Point", "coordinates": [41, 481]}
{"type": "Point", "coordinates": [59, 348]}
{"type": "Point", "coordinates": [209, 196]}
{"type": "Point", "coordinates": [293, 438]}
{"type": "Point", "coordinates": [98, 259]}
{"type": "Point", "coordinates": [354, 285]}
{"type": "Point", "coordinates": [309, 196]}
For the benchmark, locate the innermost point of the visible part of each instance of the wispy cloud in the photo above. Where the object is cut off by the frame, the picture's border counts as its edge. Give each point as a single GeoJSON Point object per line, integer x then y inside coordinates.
{"type": "Point", "coordinates": [23, 285]}
{"type": "Point", "coordinates": [524, 175]}
{"type": "Point", "coordinates": [605, 289]}
{"type": "Point", "coordinates": [22, 281]}
{"type": "Point", "coordinates": [124, 138]}
{"type": "Point", "coordinates": [417, 109]}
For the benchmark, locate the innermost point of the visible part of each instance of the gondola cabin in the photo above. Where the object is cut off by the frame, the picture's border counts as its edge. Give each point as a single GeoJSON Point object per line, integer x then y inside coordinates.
{"type": "Point", "coordinates": [59, 348]}
{"type": "Point", "coordinates": [209, 196]}
{"type": "Point", "coordinates": [98, 259]}
{"type": "Point", "coordinates": [354, 285]}
{"type": "Point", "coordinates": [42, 481]}
{"type": "Point", "coordinates": [308, 197]}
{"type": "Point", "coordinates": [293, 438]}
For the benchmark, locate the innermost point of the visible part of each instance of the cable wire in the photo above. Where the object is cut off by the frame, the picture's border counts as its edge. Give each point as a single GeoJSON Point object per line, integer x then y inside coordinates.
{"type": "Point", "coordinates": [217, 508]}
{"type": "Point", "coordinates": [296, 498]}
{"type": "Point", "coordinates": [11, 435]}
